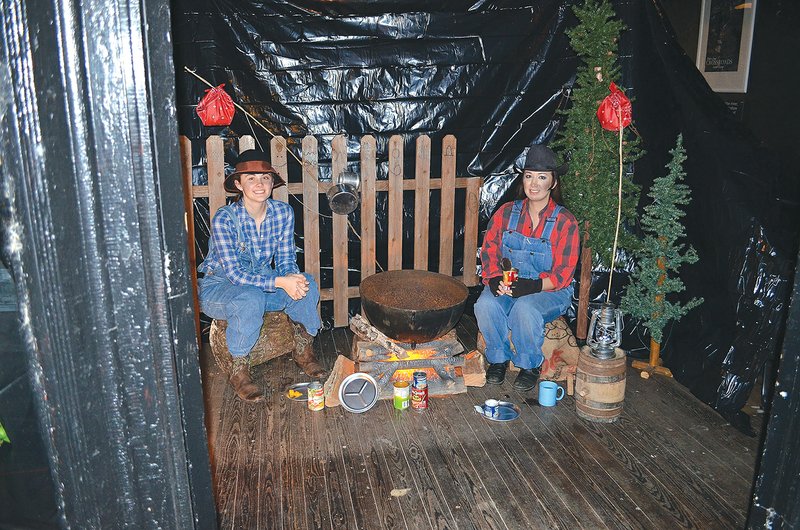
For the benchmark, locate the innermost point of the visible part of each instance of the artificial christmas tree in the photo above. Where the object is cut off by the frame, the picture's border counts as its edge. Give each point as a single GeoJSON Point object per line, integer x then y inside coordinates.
{"type": "Point", "coordinates": [659, 258]}
{"type": "Point", "coordinates": [590, 186]}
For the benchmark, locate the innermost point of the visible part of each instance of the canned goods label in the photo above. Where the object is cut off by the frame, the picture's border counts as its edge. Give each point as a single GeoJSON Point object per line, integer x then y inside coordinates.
{"type": "Point", "coordinates": [402, 394]}
{"type": "Point", "coordinates": [419, 399]}
{"type": "Point", "coordinates": [510, 276]}
{"type": "Point", "coordinates": [420, 380]}
{"type": "Point", "coordinates": [316, 396]}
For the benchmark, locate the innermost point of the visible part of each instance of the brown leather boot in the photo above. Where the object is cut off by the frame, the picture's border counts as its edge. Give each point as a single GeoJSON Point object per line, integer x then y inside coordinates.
{"type": "Point", "coordinates": [304, 353]}
{"type": "Point", "coordinates": [242, 383]}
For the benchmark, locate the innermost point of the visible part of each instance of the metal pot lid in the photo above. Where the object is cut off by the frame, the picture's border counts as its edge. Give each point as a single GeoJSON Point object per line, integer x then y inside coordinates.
{"type": "Point", "coordinates": [358, 392]}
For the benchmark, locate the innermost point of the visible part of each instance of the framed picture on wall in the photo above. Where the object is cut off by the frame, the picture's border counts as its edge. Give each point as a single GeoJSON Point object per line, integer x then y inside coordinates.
{"type": "Point", "coordinates": [724, 43]}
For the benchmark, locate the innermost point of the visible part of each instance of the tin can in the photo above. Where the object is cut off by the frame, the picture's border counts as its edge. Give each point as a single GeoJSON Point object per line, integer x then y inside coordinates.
{"type": "Point", "coordinates": [511, 275]}
{"type": "Point", "coordinates": [316, 396]}
{"type": "Point", "coordinates": [402, 395]}
{"type": "Point", "coordinates": [419, 392]}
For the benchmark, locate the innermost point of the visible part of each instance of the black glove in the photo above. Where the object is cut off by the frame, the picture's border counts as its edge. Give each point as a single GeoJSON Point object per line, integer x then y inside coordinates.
{"type": "Point", "coordinates": [524, 286]}
{"type": "Point", "coordinates": [494, 285]}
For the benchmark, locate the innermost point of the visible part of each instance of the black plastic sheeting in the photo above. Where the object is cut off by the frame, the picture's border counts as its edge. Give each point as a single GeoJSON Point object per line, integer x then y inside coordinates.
{"type": "Point", "coordinates": [493, 73]}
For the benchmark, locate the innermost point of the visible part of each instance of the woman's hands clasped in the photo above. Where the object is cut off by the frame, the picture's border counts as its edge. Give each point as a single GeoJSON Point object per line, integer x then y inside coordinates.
{"type": "Point", "coordinates": [295, 285]}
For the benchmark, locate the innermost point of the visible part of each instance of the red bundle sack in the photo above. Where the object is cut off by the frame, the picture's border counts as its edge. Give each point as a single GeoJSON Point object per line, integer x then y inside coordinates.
{"type": "Point", "coordinates": [615, 107]}
{"type": "Point", "coordinates": [216, 108]}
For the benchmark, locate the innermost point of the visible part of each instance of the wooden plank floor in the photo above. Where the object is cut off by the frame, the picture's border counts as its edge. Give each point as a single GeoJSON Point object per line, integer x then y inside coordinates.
{"type": "Point", "coordinates": [669, 462]}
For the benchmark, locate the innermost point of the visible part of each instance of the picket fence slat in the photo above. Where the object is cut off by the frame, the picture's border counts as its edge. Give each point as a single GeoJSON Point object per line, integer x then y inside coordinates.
{"type": "Point", "coordinates": [422, 201]}
{"type": "Point", "coordinates": [448, 199]}
{"type": "Point", "coordinates": [215, 155]}
{"type": "Point", "coordinates": [310, 189]}
{"type": "Point", "coordinates": [395, 189]}
{"type": "Point", "coordinates": [277, 148]}
{"type": "Point", "coordinates": [311, 201]}
{"type": "Point", "coordinates": [340, 255]}
{"type": "Point", "coordinates": [368, 177]}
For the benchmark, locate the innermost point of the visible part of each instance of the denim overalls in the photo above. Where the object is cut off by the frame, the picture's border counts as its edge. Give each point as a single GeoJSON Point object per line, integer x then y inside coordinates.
{"type": "Point", "coordinates": [243, 306]}
{"type": "Point", "coordinates": [525, 316]}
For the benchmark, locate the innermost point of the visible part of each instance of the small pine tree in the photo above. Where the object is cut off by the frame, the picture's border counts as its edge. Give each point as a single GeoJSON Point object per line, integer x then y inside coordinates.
{"type": "Point", "coordinates": [590, 187]}
{"type": "Point", "coordinates": [661, 254]}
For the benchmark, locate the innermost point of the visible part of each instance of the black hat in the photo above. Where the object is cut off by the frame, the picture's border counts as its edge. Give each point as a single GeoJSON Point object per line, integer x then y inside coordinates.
{"type": "Point", "coordinates": [252, 161]}
{"type": "Point", "coordinates": [542, 158]}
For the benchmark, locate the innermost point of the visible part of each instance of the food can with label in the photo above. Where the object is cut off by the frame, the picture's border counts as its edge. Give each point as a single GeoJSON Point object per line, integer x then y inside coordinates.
{"type": "Point", "coordinates": [419, 392]}
{"type": "Point", "coordinates": [510, 276]}
{"type": "Point", "coordinates": [316, 396]}
{"type": "Point", "coordinates": [402, 395]}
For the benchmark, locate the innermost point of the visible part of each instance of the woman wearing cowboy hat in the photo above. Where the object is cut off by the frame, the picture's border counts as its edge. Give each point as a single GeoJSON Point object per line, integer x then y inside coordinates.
{"type": "Point", "coordinates": [538, 237]}
{"type": "Point", "coordinates": [240, 282]}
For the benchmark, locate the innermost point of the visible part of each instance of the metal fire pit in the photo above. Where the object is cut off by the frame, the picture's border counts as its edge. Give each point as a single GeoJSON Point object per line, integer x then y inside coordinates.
{"type": "Point", "coordinates": [413, 306]}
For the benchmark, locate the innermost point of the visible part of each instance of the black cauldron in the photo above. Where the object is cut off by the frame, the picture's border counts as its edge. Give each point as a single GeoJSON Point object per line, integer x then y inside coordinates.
{"type": "Point", "coordinates": [413, 306]}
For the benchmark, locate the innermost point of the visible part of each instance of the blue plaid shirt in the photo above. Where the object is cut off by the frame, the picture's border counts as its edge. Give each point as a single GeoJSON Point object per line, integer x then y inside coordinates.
{"type": "Point", "coordinates": [249, 261]}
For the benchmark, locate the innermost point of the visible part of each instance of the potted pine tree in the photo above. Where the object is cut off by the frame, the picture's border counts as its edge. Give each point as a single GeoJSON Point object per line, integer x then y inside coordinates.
{"type": "Point", "coordinates": [655, 280]}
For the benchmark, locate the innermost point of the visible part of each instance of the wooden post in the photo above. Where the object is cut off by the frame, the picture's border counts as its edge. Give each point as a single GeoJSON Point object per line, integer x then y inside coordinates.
{"type": "Point", "coordinates": [188, 204]}
{"type": "Point", "coordinates": [586, 283]}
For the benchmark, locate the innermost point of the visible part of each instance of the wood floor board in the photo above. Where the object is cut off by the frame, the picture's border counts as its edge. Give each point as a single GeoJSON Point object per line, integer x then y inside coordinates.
{"type": "Point", "coordinates": [394, 476]}
{"type": "Point", "coordinates": [699, 498]}
{"type": "Point", "coordinates": [510, 482]}
{"type": "Point", "coordinates": [669, 462]}
{"type": "Point", "coordinates": [346, 510]}
{"type": "Point", "coordinates": [697, 421]}
{"type": "Point", "coordinates": [459, 468]}
{"type": "Point", "coordinates": [575, 464]}
{"type": "Point", "coordinates": [268, 483]}
{"type": "Point", "coordinates": [564, 499]}
{"type": "Point", "coordinates": [415, 432]}
{"type": "Point", "coordinates": [614, 499]}
{"type": "Point", "coordinates": [708, 478]}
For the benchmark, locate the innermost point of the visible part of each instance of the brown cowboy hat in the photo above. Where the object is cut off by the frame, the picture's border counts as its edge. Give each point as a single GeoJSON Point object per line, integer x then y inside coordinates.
{"type": "Point", "coordinates": [252, 161]}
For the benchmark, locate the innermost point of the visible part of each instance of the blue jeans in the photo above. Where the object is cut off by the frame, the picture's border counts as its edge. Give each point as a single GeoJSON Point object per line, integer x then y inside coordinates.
{"type": "Point", "coordinates": [525, 317]}
{"type": "Point", "coordinates": [243, 306]}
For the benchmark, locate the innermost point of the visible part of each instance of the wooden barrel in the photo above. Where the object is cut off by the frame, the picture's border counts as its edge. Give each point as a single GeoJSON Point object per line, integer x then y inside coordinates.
{"type": "Point", "coordinates": [600, 386]}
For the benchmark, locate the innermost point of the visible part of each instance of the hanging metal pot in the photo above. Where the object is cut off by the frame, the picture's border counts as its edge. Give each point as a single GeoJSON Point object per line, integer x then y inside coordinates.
{"type": "Point", "coordinates": [343, 196]}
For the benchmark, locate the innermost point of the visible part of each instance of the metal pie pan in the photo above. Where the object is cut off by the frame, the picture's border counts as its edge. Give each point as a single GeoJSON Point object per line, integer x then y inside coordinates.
{"type": "Point", "coordinates": [298, 387]}
{"type": "Point", "coordinates": [507, 411]}
{"type": "Point", "coordinates": [358, 392]}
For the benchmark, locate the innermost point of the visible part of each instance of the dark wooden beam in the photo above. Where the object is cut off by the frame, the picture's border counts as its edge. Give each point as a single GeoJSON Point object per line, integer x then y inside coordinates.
{"type": "Point", "coordinates": [776, 495]}
{"type": "Point", "coordinates": [91, 181]}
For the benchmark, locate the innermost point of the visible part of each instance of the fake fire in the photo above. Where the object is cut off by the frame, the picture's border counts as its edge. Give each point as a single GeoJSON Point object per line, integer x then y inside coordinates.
{"type": "Point", "coordinates": [391, 361]}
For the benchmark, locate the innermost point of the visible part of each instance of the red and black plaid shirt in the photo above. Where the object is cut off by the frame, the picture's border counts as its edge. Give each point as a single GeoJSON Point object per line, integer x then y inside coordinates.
{"type": "Point", "coordinates": [564, 238]}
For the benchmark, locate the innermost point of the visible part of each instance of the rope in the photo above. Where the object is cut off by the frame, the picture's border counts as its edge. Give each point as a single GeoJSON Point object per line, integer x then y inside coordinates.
{"type": "Point", "coordinates": [619, 210]}
{"type": "Point", "coordinates": [250, 121]}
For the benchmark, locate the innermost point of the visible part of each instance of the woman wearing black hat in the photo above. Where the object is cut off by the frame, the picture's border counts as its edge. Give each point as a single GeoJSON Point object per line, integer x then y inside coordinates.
{"type": "Point", "coordinates": [538, 237]}
{"type": "Point", "coordinates": [240, 282]}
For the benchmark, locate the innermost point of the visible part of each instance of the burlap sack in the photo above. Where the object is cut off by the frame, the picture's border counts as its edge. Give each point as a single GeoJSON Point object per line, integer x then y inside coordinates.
{"type": "Point", "coordinates": [275, 339]}
{"type": "Point", "coordinates": [560, 350]}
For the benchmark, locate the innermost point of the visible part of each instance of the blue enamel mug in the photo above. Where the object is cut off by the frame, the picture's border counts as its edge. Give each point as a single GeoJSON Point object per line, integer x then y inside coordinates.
{"type": "Point", "coordinates": [549, 393]}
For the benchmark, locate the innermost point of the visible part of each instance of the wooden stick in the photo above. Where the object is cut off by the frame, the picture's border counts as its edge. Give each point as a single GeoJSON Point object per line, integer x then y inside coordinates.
{"type": "Point", "coordinates": [363, 329]}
